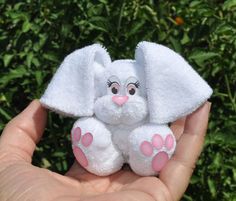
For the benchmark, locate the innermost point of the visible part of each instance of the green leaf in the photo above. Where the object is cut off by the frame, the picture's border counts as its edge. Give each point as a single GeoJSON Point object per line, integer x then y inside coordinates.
{"type": "Point", "coordinates": [176, 44]}
{"type": "Point", "coordinates": [18, 5]}
{"type": "Point", "coordinates": [200, 57]}
{"type": "Point", "coordinates": [212, 187]}
{"type": "Point", "coordinates": [229, 4]}
{"type": "Point", "coordinates": [135, 28]}
{"type": "Point", "coordinates": [35, 61]}
{"type": "Point", "coordinates": [185, 39]}
{"type": "Point", "coordinates": [5, 114]}
{"type": "Point", "coordinates": [194, 179]}
{"type": "Point", "coordinates": [50, 56]}
{"type": "Point", "coordinates": [29, 58]}
{"type": "Point", "coordinates": [98, 23]}
{"type": "Point", "coordinates": [225, 29]}
{"type": "Point", "coordinates": [59, 154]}
{"type": "Point", "coordinates": [26, 26]}
{"type": "Point", "coordinates": [7, 59]}
{"type": "Point", "coordinates": [45, 163]}
{"type": "Point", "coordinates": [13, 74]}
{"type": "Point", "coordinates": [194, 3]}
{"type": "Point", "coordinates": [38, 76]}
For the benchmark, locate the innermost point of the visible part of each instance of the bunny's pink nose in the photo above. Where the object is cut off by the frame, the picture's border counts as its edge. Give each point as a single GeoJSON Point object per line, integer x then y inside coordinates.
{"type": "Point", "coordinates": [120, 100]}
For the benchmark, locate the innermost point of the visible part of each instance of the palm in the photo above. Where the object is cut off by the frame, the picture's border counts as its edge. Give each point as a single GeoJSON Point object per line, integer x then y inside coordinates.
{"type": "Point", "coordinates": [22, 181]}
{"type": "Point", "coordinates": [76, 184]}
{"type": "Point", "coordinates": [99, 185]}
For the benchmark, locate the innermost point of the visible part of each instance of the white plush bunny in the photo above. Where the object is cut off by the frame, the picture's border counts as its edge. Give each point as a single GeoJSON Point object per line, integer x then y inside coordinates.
{"type": "Point", "coordinates": [125, 105]}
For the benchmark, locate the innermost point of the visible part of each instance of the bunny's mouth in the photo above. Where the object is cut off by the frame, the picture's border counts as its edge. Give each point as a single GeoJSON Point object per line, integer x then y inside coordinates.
{"type": "Point", "coordinates": [131, 112]}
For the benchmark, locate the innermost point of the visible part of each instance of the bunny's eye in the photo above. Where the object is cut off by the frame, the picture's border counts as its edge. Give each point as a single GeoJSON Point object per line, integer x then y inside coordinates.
{"type": "Point", "coordinates": [132, 88]}
{"type": "Point", "coordinates": [114, 90]}
{"type": "Point", "coordinates": [114, 86]}
{"type": "Point", "coordinates": [132, 91]}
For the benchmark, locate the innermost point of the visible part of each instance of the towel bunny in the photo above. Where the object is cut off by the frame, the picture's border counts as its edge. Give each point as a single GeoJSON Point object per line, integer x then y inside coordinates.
{"type": "Point", "coordinates": [125, 105]}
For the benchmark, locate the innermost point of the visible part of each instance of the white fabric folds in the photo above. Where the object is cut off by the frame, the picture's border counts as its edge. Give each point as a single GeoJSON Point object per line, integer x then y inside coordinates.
{"type": "Point", "coordinates": [174, 89]}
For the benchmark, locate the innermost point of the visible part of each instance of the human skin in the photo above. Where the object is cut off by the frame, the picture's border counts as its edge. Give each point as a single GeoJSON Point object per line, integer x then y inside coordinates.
{"type": "Point", "coordinates": [20, 180]}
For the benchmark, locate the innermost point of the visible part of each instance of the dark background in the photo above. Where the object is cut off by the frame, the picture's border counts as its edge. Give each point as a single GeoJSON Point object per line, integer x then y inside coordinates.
{"type": "Point", "coordinates": [35, 36]}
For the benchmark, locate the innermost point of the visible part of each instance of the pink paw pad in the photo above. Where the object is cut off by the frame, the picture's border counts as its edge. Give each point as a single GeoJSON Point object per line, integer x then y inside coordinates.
{"type": "Point", "coordinates": [159, 161]}
{"type": "Point", "coordinates": [146, 148]}
{"type": "Point", "coordinates": [157, 141]}
{"type": "Point", "coordinates": [76, 134]}
{"type": "Point", "coordinates": [87, 139]}
{"type": "Point", "coordinates": [169, 142]}
{"type": "Point", "coordinates": [80, 156]}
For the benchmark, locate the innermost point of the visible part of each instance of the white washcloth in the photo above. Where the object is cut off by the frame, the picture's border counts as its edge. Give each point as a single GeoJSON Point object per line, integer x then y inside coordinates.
{"type": "Point", "coordinates": [126, 105]}
{"type": "Point", "coordinates": [174, 89]}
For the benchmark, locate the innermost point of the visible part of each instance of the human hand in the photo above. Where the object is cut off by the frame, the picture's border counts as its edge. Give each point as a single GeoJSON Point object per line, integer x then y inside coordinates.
{"type": "Point", "coordinates": [20, 180]}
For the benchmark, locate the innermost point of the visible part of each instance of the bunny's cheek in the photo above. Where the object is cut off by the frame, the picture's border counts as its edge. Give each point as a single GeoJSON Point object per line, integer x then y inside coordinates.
{"type": "Point", "coordinates": [134, 111]}
{"type": "Point", "coordinates": [107, 111]}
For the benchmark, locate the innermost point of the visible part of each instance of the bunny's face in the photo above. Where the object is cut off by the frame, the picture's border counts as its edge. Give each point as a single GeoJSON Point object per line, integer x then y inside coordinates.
{"type": "Point", "coordinates": [123, 100]}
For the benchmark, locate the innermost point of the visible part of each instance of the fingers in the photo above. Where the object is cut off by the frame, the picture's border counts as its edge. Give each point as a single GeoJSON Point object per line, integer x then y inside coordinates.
{"type": "Point", "coordinates": [76, 170]}
{"type": "Point", "coordinates": [21, 134]}
{"type": "Point", "coordinates": [190, 144]}
{"type": "Point", "coordinates": [177, 127]}
{"type": "Point", "coordinates": [177, 173]}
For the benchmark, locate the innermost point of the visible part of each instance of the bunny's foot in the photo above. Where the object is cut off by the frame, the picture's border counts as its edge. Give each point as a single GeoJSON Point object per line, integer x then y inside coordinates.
{"type": "Point", "coordinates": [151, 146]}
{"type": "Point", "coordinates": [93, 147]}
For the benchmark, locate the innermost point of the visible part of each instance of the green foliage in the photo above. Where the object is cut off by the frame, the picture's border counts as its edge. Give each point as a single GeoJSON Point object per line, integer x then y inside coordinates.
{"type": "Point", "coordinates": [36, 35]}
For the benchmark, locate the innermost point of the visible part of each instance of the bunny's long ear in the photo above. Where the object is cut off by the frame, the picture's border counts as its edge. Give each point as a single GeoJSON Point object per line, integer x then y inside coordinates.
{"type": "Point", "coordinates": [71, 91]}
{"type": "Point", "coordinates": [174, 89]}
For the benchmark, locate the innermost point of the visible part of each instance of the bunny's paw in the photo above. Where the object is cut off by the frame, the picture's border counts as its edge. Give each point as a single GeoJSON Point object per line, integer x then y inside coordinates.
{"type": "Point", "coordinates": [86, 141]}
{"type": "Point", "coordinates": [159, 146]}
{"type": "Point", "coordinates": [151, 146]}
{"type": "Point", "coordinates": [93, 147]}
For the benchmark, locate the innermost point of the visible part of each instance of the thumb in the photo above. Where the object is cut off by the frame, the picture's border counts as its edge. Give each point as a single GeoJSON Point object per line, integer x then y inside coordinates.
{"type": "Point", "coordinates": [21, 134]}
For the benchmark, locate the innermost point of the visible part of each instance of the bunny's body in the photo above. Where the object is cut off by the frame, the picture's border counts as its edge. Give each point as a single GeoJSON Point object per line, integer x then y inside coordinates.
{"type": "Point", "coordinates": [121, 136]}
{"type": "Point", "coordinates": [125, 106]}
{"type": "Point", "coordinates": [146, 147]}
{"type": "Point", "coordinates": [121, 116]}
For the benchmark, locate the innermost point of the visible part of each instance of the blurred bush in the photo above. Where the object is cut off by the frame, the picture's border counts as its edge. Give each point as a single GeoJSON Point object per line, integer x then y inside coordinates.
{"type": "Point", "coordinates": [35, 36]}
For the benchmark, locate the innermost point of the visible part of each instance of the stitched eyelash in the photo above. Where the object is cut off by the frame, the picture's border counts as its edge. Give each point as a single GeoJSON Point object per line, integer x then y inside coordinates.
{"type": "Point", "coordinates": [109, 83]}
{"type": "Point", "coordinates": [137, 84]}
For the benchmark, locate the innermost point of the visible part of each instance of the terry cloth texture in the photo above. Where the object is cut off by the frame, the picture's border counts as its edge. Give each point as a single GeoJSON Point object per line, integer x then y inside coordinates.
{"type": "Point", "coordinates": [174, 89]}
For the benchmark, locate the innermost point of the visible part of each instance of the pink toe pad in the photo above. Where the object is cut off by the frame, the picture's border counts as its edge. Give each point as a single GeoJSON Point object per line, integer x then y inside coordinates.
{"type": "Point", "coordinates": [169, 142]}
{"type": "Point", "coordinates": [76, 134]}
{"type": "Point", "coordinates": [159, 161]}
{"type": "Point", "coordinates": [87, 139]}
{"type": "Point", "coordinates": [157, 141]}
{"type": "Point", "coordinates": [80, 157]}
{"type": "Point", "coordinates": [146, 148]}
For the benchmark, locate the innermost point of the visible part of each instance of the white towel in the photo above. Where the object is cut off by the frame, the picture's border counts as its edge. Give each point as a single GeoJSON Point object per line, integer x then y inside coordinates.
{"type": "Point", "coordinates": [71, 91]}
{"type": "Point", "coordinates": [174, 89]}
